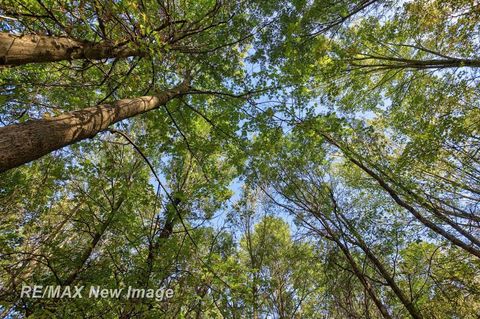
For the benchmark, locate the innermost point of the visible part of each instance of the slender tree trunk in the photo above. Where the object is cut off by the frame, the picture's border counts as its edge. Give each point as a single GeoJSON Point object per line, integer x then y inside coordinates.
{"type": "Point", "coordinates": [18, 50]}
{"type": "Point", "coordinates": [86, 255]}
{"type": "Point", "coordinates": [156, 242]}
{"type": "Point", "coordinates": [396, 197]}
{"type": "Point", "coordinates": [332, 235]}
{"type": "Point", "coordinates": [382, 63]}
{"type": "Point", "coordinates": [358, 273]}
{"type": "Point", "coordinates": [381, 269]}
{"type": "Point", "coordinates": [22, 143]}
{"type": "Point", "coordinates": [93, 244]}
{"type": "Point", "coordinates": [425, 221]}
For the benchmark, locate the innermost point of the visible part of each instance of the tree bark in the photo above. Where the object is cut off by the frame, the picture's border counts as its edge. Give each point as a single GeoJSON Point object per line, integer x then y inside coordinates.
{"type": "Point", "coordinates": [22, 143]}
{"type": "Point", "coordinates": [382, 63]}
{"type": "Point", "coordinates": [18, 50]}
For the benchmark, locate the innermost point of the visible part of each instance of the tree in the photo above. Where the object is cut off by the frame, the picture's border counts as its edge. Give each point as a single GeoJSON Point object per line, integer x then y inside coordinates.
{"type": "Point", "coordinates": [283, 276]}
{"type": "Point", "coordinates": [262, 159]}
{"type": "Point", "coordinates": [22, 143]}
{"type": "Point", "coordinates": [19, 50]}
{"type": "Point", "coordinates": [31, 140]}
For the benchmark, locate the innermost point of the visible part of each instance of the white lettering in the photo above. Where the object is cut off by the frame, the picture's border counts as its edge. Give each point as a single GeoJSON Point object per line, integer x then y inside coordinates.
{"type": "Point", "coordinates": [25, 291]}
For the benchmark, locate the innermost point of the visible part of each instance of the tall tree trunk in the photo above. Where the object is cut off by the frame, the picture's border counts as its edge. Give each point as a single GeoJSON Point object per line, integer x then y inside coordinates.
{"type": "Point", "coordinates": [453, 238]}
{"type": "Point", "coordinates": [18, 50]}
{"type": "Point", "coordinates": [383, 63]}
{"type": "Point", "coordinates": [384, 272]}
{"type": "Point", "coordinates": [22, 143]}
{"type": "Point", "coordinates": [171, 217]}
{"type": "Point", "coordinates": [357, 271]}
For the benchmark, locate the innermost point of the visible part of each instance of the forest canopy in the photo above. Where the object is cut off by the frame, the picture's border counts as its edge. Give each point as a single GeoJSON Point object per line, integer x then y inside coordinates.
{"type": "Point", "coordinates": [255, 158]}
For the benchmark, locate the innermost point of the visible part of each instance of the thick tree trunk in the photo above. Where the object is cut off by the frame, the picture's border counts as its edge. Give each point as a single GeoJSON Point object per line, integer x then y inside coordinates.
{"type": "Point", "coordinates": [22, 143]}
{"type": "Point", "coordinates": [18, 50]}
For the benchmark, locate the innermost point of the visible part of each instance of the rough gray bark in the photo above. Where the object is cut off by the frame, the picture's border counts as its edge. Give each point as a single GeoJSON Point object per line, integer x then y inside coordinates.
{"type": "Point", "coordinates": [22, 143]}
{"type": "Point", "coordinates": [22, 49]}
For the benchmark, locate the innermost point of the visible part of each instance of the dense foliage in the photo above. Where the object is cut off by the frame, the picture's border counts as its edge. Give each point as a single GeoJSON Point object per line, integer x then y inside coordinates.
{"type": "Point", "coordinates": [306, 159]}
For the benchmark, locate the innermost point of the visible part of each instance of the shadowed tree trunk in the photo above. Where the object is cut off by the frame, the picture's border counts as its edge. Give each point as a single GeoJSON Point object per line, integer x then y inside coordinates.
{"type": "Point", "coordinates": [22, 143]}
{"type": "Point", "coordinates": [18, 50]}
